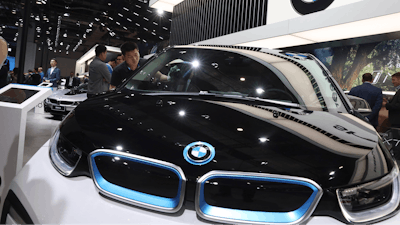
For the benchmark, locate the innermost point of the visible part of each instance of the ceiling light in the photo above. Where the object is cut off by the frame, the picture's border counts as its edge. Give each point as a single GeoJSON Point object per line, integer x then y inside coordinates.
{"type": "Point", "coordinates": [263, 139]}
{"type": "Point", "coordinates": [138, 6]}
{"type": "Point", "coordinates": [65, 35]}
{"type": "Point", "coordinates": [195, 64]}
{"type": "Point", "coordinates": [239, 129]}
{"type": "Point", "coordinates": [61, 43]}
{"type": "Point", "coordinates": [161, 38]}
{"type": "Point", "coordinates": [109, 3]}
{"type": "Point", "coordinates": [66, 14]}
{"type": "Point", "coordinates": [97, 19]}
{"type": "Point", "coordinates": [145, 19]}
{"type": "Point", "coordinates": [165, 28]}
{"type": "Point", "coordinates": [129, 19]}
{"type": "Point", "coordinates": [153, 33]}
{"type": "Point", "coordinates": [14, 11]}
{"type": "Point", "coordinates": [67, 52]}
{"type": "Point", "coordinates": [47, 32]}
{"type": "Point", "coordinates": [118, 23]}
{"type": "Point", "coordinates": [260, 91]}
{"type": "Point", "coordinates": [160, 11]}
{"type": "Point", "coordinates": [125, 8]}
{"type": "Point", "coordinates": [135, 14]}
{"type": "Point", "coordinates": [110, 18]}
{"type": "Point", "coordinates": [125, 28]}
{"type": "Point", "coordinates": [155, 23]}
{"type": "Point", "coordinates": [39, 2]}
{"type": "Point", "coordinates": [137, 24]}
{"type": "Point", "coordinates": [119, 14]}
{"type": "Point", "coordinates": [242, 79]}
{"type": "Point", "coordinates": [66, 7]}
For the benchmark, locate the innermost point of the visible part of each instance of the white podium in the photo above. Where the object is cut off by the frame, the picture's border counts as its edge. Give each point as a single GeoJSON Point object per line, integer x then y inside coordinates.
{"type": "Point", "coordinates": [15, 101]}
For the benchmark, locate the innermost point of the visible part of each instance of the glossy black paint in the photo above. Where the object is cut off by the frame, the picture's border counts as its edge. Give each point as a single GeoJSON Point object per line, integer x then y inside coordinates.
{"type": "Point", "coordinates": [150, 126]}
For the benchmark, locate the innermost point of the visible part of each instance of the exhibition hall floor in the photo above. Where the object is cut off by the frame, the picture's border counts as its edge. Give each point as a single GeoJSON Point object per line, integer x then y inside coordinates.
{"type": "Point", "coordinates": [39, 128]}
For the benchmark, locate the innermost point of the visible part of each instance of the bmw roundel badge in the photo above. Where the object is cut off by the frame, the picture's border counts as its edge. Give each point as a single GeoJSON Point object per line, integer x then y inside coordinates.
{"type": "Point", "coordinates": [199, 153]}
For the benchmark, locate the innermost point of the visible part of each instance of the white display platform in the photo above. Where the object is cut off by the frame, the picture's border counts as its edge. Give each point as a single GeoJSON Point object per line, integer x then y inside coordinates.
{"type": "Point", "coordinates": [14, 105]}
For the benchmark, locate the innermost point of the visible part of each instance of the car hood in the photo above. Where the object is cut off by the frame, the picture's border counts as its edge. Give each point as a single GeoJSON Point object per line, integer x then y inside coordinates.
{"type": "Point", "coordinates": [331, 149]}
{"type": "Point", "coordinates": [62, 95]}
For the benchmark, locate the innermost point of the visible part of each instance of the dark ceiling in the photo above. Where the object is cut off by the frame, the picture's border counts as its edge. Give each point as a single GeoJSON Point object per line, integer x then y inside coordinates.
{"type": "Point", "coordinates": [77, 25]}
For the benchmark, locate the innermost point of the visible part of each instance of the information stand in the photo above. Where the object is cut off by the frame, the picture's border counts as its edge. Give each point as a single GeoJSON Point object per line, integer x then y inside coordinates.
{"type": "Point", "coordinates": [15, 102]}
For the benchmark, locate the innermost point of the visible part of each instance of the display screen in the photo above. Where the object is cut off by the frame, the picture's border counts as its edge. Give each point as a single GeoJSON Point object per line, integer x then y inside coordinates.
{"type": "Point", "coordinates": [16, 95]}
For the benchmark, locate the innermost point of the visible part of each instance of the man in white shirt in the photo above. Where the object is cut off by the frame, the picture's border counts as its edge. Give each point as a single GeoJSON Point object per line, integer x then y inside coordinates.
{"type": "Point", "coordinates": [72, 81]}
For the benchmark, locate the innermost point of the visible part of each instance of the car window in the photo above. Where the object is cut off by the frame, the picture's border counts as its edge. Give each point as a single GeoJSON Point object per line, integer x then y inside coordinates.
{"type": "Point", "coordinates": [220, 72]}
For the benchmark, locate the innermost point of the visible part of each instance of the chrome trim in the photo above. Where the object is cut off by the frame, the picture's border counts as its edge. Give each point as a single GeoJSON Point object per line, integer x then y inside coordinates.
{"type": "Point", "coordinates": [133, 202]}
{"type": "Point", "coordinates": [202, 179]}
{"type": "Point", "coordinates": [58, 163]}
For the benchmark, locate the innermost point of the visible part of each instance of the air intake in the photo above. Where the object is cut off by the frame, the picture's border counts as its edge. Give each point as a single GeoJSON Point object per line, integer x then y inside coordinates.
{"type": "Point", "coordinates": [240, 197]}
{"type": "Point", "coordinates": [137, 180]}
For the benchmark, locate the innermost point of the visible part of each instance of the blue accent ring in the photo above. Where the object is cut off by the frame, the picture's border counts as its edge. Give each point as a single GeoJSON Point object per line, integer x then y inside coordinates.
{"type": "Point", "coordinates": [256, 216]}
{"type": "Point", "coordinates": [163, 202]}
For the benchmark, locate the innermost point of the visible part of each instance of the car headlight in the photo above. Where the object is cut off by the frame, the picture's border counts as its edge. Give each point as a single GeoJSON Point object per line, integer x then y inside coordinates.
{"type": "Point", "coordinates": [370, 201]}
{"type": "Point", "coordinates": [46, 100]}
{"type": "Point", "coordinates": [64, 156]}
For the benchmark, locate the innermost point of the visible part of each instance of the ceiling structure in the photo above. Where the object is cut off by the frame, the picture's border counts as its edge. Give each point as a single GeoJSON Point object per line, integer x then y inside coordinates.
{"type": "Point", "coordinates": [77, 25]}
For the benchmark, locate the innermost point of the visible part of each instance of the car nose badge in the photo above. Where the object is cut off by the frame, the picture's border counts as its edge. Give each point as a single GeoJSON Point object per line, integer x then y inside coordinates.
{"type": "Point", "coordinates": [199, 153]}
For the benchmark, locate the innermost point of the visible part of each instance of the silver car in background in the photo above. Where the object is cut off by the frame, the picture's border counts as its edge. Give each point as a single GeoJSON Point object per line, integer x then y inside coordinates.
{"type": "Point", "coordinates": [61, 102]}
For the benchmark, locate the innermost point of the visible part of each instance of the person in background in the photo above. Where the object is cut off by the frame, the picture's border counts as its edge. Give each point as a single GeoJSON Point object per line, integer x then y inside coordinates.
{"type": "Point", "coordinates": [393, 106]}
{"type": "Point", "coordinates": [53, 74]}
{"type": "Point", "coordinates": [111, 65]}
{"type": "Point", "coordinates": [72, 81]}
{"type": "Point", "coordinates": [132, 62]}
{"type": "Point", "coordinates": [119, 59]}
{"type": "Point", "coordinates": [40, 70]}
{"type": "Point", "coordinates": [4, 74]}
{"type": "Point", "coordinates": [99, 76]}
{"type": "Point", "coordinates": [372, 94]}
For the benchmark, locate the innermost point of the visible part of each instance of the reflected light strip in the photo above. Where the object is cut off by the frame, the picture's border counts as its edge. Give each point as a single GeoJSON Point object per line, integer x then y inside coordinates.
{"type": "Point", "coordinates": [278, 42]}
{"type": "Point", "coordinates": [362, 28]}
{"type": "Point", "coordinates": [166, 5]}
{"type": "Point", "coordinates": [373, 26]}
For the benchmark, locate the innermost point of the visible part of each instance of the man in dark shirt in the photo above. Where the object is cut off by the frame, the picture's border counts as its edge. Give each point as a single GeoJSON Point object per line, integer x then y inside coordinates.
{"type": "Point", "coordinates": [132, 62]}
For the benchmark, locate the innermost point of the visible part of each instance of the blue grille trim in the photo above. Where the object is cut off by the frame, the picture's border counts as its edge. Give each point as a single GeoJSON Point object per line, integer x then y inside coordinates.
{"type": "Point", "coordinates": [142, 199]}
{"type": "Point", "coordinates": [247, 216]}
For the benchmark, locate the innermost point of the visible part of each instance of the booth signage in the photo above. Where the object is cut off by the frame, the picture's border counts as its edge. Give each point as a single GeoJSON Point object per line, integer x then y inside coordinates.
{"type": "Point", "coordinates": [282, 10]}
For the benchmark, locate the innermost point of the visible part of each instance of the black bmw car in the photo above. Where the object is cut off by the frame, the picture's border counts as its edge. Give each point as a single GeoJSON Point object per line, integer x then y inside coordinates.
{"type": "Point", "coordinates": [205, 134]}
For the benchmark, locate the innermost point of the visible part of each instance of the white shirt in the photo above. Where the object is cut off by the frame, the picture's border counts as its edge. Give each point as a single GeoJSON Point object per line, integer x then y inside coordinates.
{"type": "Point", "coordinates": [52, 69]}
{"type": "Point", "coordinates": [70, 81]}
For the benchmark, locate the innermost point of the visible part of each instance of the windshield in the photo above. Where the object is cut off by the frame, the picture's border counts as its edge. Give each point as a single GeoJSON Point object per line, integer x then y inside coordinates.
{"type": "Point", "coordinates": [229, 73]}
{"type": "Point", "coordinates": [219, 72]}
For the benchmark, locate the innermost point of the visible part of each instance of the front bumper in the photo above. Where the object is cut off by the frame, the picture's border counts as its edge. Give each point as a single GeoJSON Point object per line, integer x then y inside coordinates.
{"type": "Point", "coordinates": [58, 109]}
{"type": "Point", "coordinates": [49, 197]}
